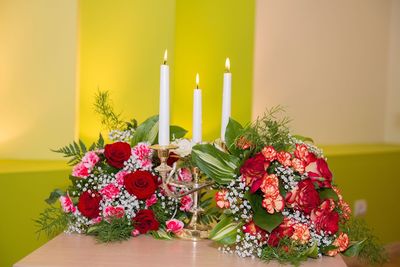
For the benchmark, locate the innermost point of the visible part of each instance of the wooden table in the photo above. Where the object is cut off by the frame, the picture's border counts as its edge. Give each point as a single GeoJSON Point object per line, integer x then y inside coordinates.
{"type": "Point", "coordinates": [84, 251]}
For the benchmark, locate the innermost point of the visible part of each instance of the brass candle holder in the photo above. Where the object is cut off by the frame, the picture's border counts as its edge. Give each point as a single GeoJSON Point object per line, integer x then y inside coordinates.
{"type": "Point", "coordinates": [194, 230]}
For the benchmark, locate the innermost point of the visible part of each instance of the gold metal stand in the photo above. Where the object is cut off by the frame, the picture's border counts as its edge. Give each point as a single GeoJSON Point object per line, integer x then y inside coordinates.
{"type": "Point", "coordinates": [194, 231]}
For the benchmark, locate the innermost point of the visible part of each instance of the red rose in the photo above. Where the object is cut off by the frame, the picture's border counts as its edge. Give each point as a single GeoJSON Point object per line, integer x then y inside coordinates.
{"type": "Point", "coordinates": [278, 233]}
{"type": "Point", "coordinates": [253, 171]}
{"type": "Point", "coordinates": [304, 197]}
{"type": "Point", "coordinates": [89, 204]}
{"type": "Point", "coordinates": [325, 218]}
{"type": "Point", "coordinates": [319, 172]}
{"type": "Point", "coordinates": [142, 184]}
{"type": "Point", "coordinates": [117, 153]}
{"type": "Point", "coordinates": [145, 221]}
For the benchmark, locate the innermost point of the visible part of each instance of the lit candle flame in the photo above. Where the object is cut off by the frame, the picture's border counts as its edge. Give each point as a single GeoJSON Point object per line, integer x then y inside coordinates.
{"type": "Point", "coordinates": [165, 57]}
{"type": "Point", "coordinates": [227, 65]}
{"type": "Point", "coordinates": [197, 80]}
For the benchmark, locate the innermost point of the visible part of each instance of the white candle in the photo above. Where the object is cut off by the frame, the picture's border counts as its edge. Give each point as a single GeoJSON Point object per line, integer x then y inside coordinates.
{"type": "Point", "coordinates": [197, 114]}
{"type": "Point", "coordinates": [163, 130]}
{"type": "Point", "coordinates": [226, 98]}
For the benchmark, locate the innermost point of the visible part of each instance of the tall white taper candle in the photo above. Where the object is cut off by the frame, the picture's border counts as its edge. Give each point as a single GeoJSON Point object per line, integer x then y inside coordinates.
{"type": "Point", "coordinates": [163, 130]}
{"type": "Point", "coordinates": [226, 99]}
{"type": "Point", "coordinates": [197, 113]}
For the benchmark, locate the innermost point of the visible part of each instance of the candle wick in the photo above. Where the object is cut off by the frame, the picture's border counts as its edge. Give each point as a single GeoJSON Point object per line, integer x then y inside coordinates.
{"type": "Point", "coordinates": [164, 62]}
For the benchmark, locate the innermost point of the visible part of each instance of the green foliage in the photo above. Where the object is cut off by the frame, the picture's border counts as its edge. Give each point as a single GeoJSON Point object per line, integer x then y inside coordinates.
{"type": "Point", "coordinates": [225, 231]}
{"type": "Point", "coordinates": [104, 108]}
{"type": "Point", "coordinates": [354, 248]}
{"type": "Point", "coordinates": [117, 229]}
{"type": "Point", "coordinates": [51, 221]}
{"type": "Point", "coordinates": [370, 251]}
{"type": "Point", "coordinates": [326, 193]}
{"type": "Point", "coordinates": [176, 132]}
{"type": "Point", "coordinates": [261, 217]}
{"type": "Point", "coordinates": [54, 196]}
{"type": "Point", "coordinates": [76, 150]}
{"type": "Point", "coordinates": [288, 252]}
{"type": "Point", "coordinates": [271, 129]}
{"type": "Point", "coordinates": [211, 213]}
{"type": "Point", "coordinates": [161, 234]}
{"type": "Point", "coordinates": [233, 130]}
{"type": "Point", "coordinates": [147, 131]}
{"type": "Point", "coordinates": [217, 165]}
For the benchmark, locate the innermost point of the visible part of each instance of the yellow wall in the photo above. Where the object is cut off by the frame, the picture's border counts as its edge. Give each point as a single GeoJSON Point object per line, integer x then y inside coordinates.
{"type": "Point", "coordinates": [121, 48]}
{"type": "Point", "coordinates": [326, 61]}
{"type": "Point", "coordinates": [37, 76]}
{"type": "Point", "coordinates": [207, 32]}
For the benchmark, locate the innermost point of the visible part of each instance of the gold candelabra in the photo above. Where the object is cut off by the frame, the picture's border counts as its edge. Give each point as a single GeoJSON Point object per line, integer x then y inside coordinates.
{"type": "Point", "coordinates": [194, 230]}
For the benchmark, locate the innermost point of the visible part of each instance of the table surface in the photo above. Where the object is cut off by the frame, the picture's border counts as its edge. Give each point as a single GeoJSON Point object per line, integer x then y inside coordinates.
{"type": "Point", "coordinates": [79, 250]}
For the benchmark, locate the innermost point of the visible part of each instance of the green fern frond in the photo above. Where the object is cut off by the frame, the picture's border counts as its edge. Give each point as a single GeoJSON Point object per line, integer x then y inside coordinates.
{"type": "Point", "coordinates": [51, 221]}
{"type": "Point", "coordinates": [104, 108]}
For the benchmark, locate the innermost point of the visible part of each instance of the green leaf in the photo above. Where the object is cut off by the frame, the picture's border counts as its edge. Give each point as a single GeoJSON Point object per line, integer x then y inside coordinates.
{"type": "Point", "coordinates": [325, 250]}
{"type": "Point", "coordinates": [54, 196]}
{"type": "Point", "coordinates": [146, 132]}
{"type": "Point", "coordinates": [176, 132]}
{"type": "Point", "coordinates": [354, 248]}
{"type": "Point", "coordinates": [161, 234]}
{"type": "Point", "coordinates": [312, 251]}
{"type": "Point", "coordinates": [326, 193]}
{"type": "Point", "coordinates": [261, 217]}
{"type": "Point", "coordinates": [303, 138]}
{"type": "Point", "coordinates": [233, 130]}
{"type": "Point", "coordinates": [219, 166]}
{"type": "Point", "coordinates": [225, 231]}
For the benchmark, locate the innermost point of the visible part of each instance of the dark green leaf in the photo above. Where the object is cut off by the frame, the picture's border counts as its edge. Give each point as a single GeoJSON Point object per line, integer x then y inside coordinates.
{"type": "Point", "coordinates": [176, 132]}
{"type": "Point", "coordinates": [219, 166]}
{"type": "Point", "coordinates": [54, 196]}
{"type": "Point", "coordinates": [143, 131]}
{"type": "Point", "coordinates": [261, 217]}
{"type": "Point", "coordinates": [233, 130]}
{"type": "Point", "coordinates": [354, 249]}
{"type": "Point", "coordinates": [326, 193]}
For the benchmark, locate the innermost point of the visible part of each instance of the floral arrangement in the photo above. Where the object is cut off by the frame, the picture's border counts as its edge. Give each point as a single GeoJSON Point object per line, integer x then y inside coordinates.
{"type": "Point", "coordinates": [115, 191]}
{"type": "Point", "coordinates": [274, 195]}
{"type": "Point", "coordinates": [278, 197]}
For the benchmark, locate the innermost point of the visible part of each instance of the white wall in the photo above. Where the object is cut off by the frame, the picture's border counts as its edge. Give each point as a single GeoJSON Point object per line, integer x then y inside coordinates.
{"type": "Point", "coordinates": [326, 61]}
{"type": "Point", "coordinates": [392, 122]}
{"type": "Point", "coordinates": [37, 76]}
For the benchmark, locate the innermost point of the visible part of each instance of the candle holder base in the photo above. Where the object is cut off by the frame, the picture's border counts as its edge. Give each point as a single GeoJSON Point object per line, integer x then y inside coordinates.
{"type": "Point", "coordinates": [200, 232]}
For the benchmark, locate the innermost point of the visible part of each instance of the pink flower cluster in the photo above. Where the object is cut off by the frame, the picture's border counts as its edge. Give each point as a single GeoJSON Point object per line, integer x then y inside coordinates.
{"type": "Point", "coordinates": [143, 153]}
{"type": "Point", "coordinates": [83, 169]}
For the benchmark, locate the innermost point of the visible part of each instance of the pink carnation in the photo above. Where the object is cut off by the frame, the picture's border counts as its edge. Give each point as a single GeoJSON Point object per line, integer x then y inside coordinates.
{"type": "Point", "coordinates": [143, 153]}
{"type": "Point", "coordinates": [184, 175]}
{"type": "Point", "coordinates": [135, 232]}
{"type": "Point", "coordinates": [186, 203]}
{"type": "Point", "coordinates": [66, 204]}
{"type": "Point", "coordinates": [96, 220]}
{"type": "Point", "coordinates": [116, 212]}
{"type": "Point", "coordinates": [174, 226]}
{"type": "Point", "coordinates": [120, 177]}
{"type": "Point", "coordinates": [90, 159]}
{"type": "Point", "coordinates": [151, 201]}
{"type": "Point", "coordinates": [110, 191]}
{"type": "Point", "coordinates": [80, 170]}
